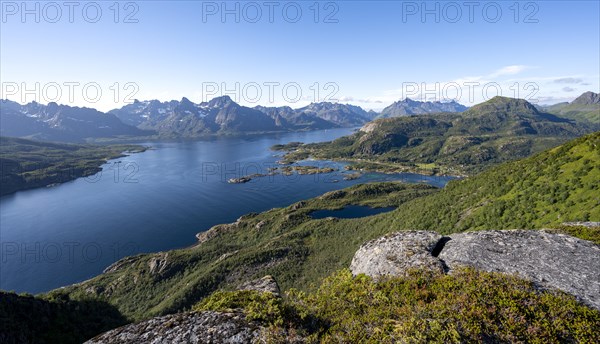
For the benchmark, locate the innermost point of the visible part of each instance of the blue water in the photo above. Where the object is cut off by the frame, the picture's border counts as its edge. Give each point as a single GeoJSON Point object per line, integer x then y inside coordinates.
{"type": "Point", "coordinates": [152, 201]}
{"type": "Point", "coordinates": [350, 212]}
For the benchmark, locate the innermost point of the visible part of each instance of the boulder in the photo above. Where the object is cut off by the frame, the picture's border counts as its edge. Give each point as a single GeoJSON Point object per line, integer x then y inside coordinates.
{"type": "Point", "coordinates": [396, 253]}
{"type": "Point", "coordinates": [158, 263]}
{"type": "Point", "coordinates": [266, 284]}
{"type": "Point", "coordinates": [550, 260]}
{"type": "Point", "coordinates": [184, 328]}
{"type": "Point", "coordinates": [553, 261]}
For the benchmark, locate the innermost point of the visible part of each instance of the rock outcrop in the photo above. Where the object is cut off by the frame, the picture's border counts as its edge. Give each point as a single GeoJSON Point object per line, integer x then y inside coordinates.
{"type": "Point", "coordinates": [266, 284]}
{"type": "Point", "coordinates": [549, 260]}
{"type": "Point", "coordinates": [184, 328]}
{"type": "Point", "coordinates": [396, 253]}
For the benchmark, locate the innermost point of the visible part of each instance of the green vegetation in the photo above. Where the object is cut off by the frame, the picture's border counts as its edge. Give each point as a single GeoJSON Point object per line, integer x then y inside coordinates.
{"type": "Point", "coordinates": [467, 306]}
{"type": "Point", "coordinates": [586, 233]}
{"type": "Point", "coordinates": [586, 109]}
{"type": "Point", "coordinates": [579, 112]}
{"type": "Point", "coordinates": [262, 306]}
{"type": "Point", "coordinates": [499, 130]}
{"type": "Point", "coordinates": [553, 187]}
{"type": "Point", "coordinates": [30, 164]}
{"type": "Point", "coordinates": [28, 319]}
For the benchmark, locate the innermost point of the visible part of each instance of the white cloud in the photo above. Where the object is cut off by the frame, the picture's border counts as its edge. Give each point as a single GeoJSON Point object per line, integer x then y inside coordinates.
{"type": "Point", "coordinates": [569, 80]}
{"type": "Point", "coordinates": [509, 70]}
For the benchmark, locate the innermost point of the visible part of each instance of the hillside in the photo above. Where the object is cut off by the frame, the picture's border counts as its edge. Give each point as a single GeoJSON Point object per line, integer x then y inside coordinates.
{"type": "Point", "coordinates": [585, 108]}
{"type": "Point", "coordinates": [559, 185]}
{"type": "Point", "coordinates": [299, 251]}
{"type": "Point", "coordinates": [499, 130]}
{"type": "Point", "coordinates": [27, 164]}
{"type": "Point", "coordinates": [408, 107]}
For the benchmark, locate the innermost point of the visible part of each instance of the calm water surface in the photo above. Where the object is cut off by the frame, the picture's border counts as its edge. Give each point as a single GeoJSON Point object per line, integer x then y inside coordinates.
{"type": "Point", "coordinates": [350, 212]}
{"type": "Point", "coordinates": [148, 202]}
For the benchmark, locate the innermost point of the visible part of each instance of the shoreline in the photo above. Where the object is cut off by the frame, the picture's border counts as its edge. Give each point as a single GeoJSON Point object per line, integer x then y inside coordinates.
{"type": "Point", "coordinates": [74, 174]}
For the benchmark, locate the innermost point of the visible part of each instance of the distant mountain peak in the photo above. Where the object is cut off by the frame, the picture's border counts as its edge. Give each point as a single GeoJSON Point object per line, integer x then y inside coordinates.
{"type": "Point", "coordinates": [221, 101]}
{"type": "Point", "coordinates": [587, 98]}
{"type": "Point", "coordinates": [185, 101]}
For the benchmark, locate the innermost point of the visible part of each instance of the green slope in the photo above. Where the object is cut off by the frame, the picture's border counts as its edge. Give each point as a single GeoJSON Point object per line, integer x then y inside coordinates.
{"type": "Point", "coordinates": [579, 112]}
{"type": "Point", "coordinates": [27, 164]}
{"type": "Point", "coordinates": [501, 129]}
{"type": "Point", "coordinates": [559, 185]}
{"type": "Point", "coordinates": [300, 251]}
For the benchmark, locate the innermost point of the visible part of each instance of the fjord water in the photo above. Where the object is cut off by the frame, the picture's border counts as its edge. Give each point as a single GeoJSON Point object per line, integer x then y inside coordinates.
{"type": "Point", "coordinates": [149, 202]}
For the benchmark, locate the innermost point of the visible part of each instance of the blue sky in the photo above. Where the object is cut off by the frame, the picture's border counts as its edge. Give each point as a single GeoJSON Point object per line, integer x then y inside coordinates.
{"type": "Point", "coordinates": [370, 53]}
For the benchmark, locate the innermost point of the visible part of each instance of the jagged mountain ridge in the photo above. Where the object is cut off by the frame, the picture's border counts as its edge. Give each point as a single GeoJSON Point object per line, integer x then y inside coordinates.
{"type": "Point", "coordinates": [223, 115]}
{"type": "Point", "coordinates": [60, 122]}
{"type": "Point", "coordinates": [409, 107]}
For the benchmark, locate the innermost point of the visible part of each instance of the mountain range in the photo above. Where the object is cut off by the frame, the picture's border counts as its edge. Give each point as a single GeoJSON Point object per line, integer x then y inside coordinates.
{"type": "Point", "coordinates": [222, 115]}
{"type": "Point", "coordinates": [409, 107]}
{"type": "Point", "coordinates": [171, 119]}
{"type": "Point", "coordinates": [153, 119]}
{"type": "Point", "coordinates": [55, 122]}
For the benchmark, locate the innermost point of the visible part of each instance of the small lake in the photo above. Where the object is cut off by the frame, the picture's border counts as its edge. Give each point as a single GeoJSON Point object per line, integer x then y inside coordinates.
{"type": "Point", "coordinates": [153, 201]}
{"type": "Point", "coordinates": [350, 212]}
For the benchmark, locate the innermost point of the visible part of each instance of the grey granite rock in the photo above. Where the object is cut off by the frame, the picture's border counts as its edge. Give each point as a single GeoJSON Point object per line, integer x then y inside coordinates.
{"type": "Point", "coordinates": [550, 260]}
{"type": "Point", "coordinates": [394, 254]}
{"type": "Point", "coordinates": [183, 328]}
{"type": "Point", "coordinates": [266, 284]}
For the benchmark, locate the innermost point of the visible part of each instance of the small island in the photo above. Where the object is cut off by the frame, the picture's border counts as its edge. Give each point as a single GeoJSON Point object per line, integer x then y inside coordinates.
{"type": "Point", "coordinates": [285, 171]}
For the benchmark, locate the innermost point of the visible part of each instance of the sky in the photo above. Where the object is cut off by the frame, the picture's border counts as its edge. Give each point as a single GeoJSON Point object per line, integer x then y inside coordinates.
{"type": "Point", "coordinates": [105, 54]}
